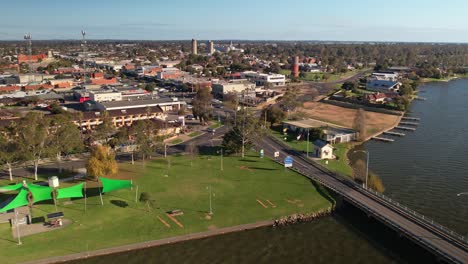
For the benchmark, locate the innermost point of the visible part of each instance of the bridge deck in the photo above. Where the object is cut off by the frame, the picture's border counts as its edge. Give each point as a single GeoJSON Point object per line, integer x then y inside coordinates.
{"type": "Point", "coordinates": [429, 236]}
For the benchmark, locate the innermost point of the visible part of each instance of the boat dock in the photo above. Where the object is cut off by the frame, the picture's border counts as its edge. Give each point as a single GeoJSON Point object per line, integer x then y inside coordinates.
{"type": "Point", "coordinates": [393, 133]}
{"type": "Point", "coordinates": [408, 118]}
{"type": "Point", "coordinates": [405, 128]}
{"type": "Point", "coordinates": [409, 123]}
{"type": "Point", "coordinates": [420, 98]}
{"type": "Point", "coordinates": [383, 139]}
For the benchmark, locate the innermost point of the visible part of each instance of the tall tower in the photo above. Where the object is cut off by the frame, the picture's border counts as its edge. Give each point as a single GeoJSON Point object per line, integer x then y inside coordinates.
{"type": "Point", "coordinates": [211, 45]}
{"type": "Point", "coordinates": [194, 47]}
{"type": "Point", "coordinates": [83, 44]}
{"type": "Point", "coordinates": [295, 67]}
{"type": "Point", "coordinates": [28, 39]}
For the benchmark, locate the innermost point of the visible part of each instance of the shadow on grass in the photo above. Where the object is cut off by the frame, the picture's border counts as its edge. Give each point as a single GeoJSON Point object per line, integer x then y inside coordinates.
{"type": "Point", "coordinates": [119, 203]}
{"type": "Point", "coordinates": [259, 168]}
{"type": "Point", "coordinates": [324, 192]}
{"type": "Point", "coordinates": [247, 160]}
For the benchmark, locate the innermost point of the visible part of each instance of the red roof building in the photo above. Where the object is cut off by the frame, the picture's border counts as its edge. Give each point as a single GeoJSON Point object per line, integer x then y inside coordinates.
{"type": "Point", "coordinates": [104, 81]}
{"type": "Point", "coordinates": [33, 58]}
{"type": "Point", "coordinates": [8, 89]}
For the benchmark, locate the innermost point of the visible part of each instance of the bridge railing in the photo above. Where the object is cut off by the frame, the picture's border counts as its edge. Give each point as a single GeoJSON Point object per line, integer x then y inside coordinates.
{"type": "Point", "coordinates": [376, 213]}
{"type": "Point", "coordinates": [421, 217]}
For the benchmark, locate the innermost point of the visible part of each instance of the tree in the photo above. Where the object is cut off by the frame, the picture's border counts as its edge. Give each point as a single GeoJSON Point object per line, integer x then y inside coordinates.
{"type": "Point", "coordinates": [105, 130]}
{"type": "Point", "coordinates": [290, 99]}
{"type": "Point", "coordinates": [150, 87]}
{"type": "Point", "coordinates": [360, 124]}
{"type": "Point", "coordinates": [202, 108]}
{"type": "Point", "coordinates": [145, 136]}
{"type": "Point", "coordinates": [8, 151]}
{"type": "Point", "coordinates": [274, 114]}
{"type": "Point", "coordinates": [32, 133]}
{"type": "Point", "coordinates": [64, 137]}
{"type": "Point", "coordinates": [245, 130]}
{"type": "Point", "coordinates": [349, 86]}
{"type": "Point", "coordinates": [101, 162]}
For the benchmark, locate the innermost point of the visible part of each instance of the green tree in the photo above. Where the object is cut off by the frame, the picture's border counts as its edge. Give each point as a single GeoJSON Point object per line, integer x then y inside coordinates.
{"type": "Point", "coordinates": [145, 135]}
{"type": "Point", "coordinates": [64, 137]}
{"type": "Point", "coordinates": [349, 86]}
{"type": "Point", "coordinates": [32, 133]}
{"type": "Point", "coordinates": [101, 162]}
{"type": "Point", "coordinates": [245, 130]}
{"type": "Point", "coordinates": [202, 108]}
{"type": "Point", "coordinates": [105, 130]}
{"type": "Point", "coordinates": [150, 87]}
{"type": "Point", "coordinates": [8, 151]}
{"type": "Point", "coordinates": [274, 114]}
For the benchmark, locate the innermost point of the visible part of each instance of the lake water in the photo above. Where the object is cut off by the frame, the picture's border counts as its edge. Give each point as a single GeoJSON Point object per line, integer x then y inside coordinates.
{"type": "Point", "coordinates": [424, 170]}
{"type": "Point", "coordinates": [427, 168]}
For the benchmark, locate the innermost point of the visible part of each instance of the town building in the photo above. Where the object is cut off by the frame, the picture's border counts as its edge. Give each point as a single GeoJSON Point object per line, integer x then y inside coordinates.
{"type": "Point", "coordinates": [331, 133]}
{"type": "Point", "coordinates": [105, 96]}
{"type": "Point", "coordinates": [385, 76]}
{"type": "Point", "coordinates": [169, 73]}
{"type": "Point", "coordinates": [383, 86]}
{"type": "Point", "coordinates": [262, 79]}
{"type": "Point", "coordinates": [323, 150]}
{"type": "Point", "coordinates": [165, 103]}
{"type": "Point", "coordinates": [23, 58]}
{"type": "Point", "coordinates": [233, 86]}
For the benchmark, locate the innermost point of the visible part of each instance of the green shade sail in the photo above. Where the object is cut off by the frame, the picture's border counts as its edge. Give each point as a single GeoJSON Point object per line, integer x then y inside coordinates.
{"type": "Point", "coordinates": [113, 185]}
{"type": "Point", "coordinates": [21, 199]}
{"type": "Point", "coordinates": [40, 193]}
{"type": "Point", "coordinates": [75, 191]}
{"type": "Point", "coordinates": [15, 187]}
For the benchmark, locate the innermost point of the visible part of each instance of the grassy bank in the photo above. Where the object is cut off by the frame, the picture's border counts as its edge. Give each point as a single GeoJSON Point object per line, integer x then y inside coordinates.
{"type": "Point", "coordinates": [172, 185]}
{"type": "Point", "coordinates": [340, 165]}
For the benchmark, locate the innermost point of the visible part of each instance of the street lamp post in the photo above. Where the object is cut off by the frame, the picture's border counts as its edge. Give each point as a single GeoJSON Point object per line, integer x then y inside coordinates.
{"type": "Point", "coordinates": [308, 130]}
{"type": "Point", "coordinates": [367, 164]}
{"type": "Point", "coordinates": [211, 208]}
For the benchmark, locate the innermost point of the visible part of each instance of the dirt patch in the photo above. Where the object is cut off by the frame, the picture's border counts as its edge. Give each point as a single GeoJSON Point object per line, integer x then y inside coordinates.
{"type": "Point", "coordinates": [212, 227]}
{"type": "Point", "coordinates": [342, 116]}
{"type": "Point", "coordinates": [245, 168]}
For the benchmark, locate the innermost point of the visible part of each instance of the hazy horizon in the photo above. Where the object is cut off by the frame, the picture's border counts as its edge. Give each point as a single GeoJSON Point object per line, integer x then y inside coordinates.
{"type": "Point", "coordinates": [427, 21]}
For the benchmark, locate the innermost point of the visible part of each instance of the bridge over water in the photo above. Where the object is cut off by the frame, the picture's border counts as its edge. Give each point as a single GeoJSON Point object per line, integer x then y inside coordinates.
{"type": "Point", "coordinates": [443, 242]}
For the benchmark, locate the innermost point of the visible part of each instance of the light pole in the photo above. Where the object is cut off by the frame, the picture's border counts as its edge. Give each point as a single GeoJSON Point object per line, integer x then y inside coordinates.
{"type": "Point", "coordinates": [367, 163]}
{"type": "Point", "coordinates": [17, 227]}
{"type": "Point", "coordinates": [211, 208]}
{"type": "Point", "coordinates": [221, 152]}
{"type": "Point", "coordinates": [463, 193]}
{"type": "Point", "coordinates": [308, 130]}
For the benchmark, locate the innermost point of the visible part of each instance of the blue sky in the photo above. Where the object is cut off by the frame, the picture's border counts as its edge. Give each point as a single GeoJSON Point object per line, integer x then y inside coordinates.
{"type": "Point", "coordinates": [355, 20]}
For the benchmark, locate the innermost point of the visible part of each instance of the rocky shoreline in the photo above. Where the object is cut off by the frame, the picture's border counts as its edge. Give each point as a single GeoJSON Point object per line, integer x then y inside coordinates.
{"type": "Point", "coordinates": [302, 218]}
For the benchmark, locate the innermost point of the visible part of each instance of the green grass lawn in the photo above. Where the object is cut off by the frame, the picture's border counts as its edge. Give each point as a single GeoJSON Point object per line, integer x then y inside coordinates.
{"type": "Point", "coordinates": [178, 186]}
{"type": "Point", "coordinates": [195, 134]}
{"type": "Point", "coordinates": [216, 124]}
{"type": "Point", "coordinates": [339, 165]}
{"type": "Point", "coordinates": [176, 141]}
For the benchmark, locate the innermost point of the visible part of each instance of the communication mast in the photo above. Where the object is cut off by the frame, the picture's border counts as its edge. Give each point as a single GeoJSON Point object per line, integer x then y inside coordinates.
{"type": "Point", "coordinates": [83, 44]}
{"type": "Point", "coordinates": [28, 39]}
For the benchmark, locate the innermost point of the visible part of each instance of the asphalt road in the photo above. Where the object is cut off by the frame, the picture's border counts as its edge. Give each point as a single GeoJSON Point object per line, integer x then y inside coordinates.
{"type": "Point", "coordinates": [425, 235]}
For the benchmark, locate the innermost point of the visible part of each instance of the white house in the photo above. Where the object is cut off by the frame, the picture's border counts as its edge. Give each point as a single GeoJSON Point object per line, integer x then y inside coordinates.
{"type": "Point", "coordinates": [323, 150]}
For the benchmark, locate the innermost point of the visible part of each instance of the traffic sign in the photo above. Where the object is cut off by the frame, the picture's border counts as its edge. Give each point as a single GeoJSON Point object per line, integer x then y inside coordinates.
{"type": "Point", "coordinates": [288, 162]}
{"type": "Point", "coordinates": [277, 154]}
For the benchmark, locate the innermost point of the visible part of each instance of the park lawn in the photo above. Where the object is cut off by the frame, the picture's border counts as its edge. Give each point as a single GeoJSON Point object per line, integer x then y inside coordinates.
{"type": "Point", "coordinates": [178, 186]}
{"type": "Point", "coordinates": [176, 141]}
{"type": "Point", "coordinates": [340, 165]}
{"type": "Point", "coordinates": [195, 134]}
{"type": "Point", "coordinates": [216, 124]}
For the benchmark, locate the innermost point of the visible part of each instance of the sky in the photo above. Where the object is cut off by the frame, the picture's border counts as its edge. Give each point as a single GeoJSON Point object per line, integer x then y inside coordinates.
{"type": "Point", "coordinates": [334, 20]}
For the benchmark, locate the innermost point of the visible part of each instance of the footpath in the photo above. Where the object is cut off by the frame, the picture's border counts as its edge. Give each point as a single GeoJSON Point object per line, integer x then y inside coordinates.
{"type": "Point", "coordinates": [153, 243]}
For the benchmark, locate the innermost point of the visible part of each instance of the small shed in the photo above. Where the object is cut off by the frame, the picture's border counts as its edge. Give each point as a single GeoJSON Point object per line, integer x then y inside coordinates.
{"type": "Point", "coordinates": [323, 150]}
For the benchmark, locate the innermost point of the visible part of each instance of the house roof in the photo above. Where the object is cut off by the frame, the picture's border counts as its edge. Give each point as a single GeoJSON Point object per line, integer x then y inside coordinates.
{"type": "Point", "coordinates": [320, 143]}
{"type": "Point", "coordinates": [137, 103]}
{"type": "Point", "coordinates": [125, 112]}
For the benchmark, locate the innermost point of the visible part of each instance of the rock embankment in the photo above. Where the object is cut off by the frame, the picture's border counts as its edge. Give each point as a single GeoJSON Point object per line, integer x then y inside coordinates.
{"type": "Point", "coordinates": [301, 218]}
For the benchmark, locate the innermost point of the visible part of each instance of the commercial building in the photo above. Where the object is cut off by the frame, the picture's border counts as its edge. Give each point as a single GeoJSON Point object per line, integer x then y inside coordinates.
{"type": "Point", "coordinates": [233, 86]}
{"type": "Point", "coordinates": [262, 79]}
{"type": "Point", "coordinates": [105, 96]}
{"type": "Point", "coordinates": [169, 73]}
{"type": "Point", "coordinates": [385, 76]}
{"type": "Point", "coordinates": [166, 104]}
{"type": "Point", "coordinates": [383, 86]}
{"type": "Point", "coordinates": [331, 134]}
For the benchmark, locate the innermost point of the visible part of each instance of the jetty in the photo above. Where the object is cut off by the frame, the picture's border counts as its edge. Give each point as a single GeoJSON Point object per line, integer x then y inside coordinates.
{"type": "Point", "coordinates": [383, 139]}
{"type": "Point", "coordinates": [409, 123]}
{"type": "Point", "coordinates": [409, 118]}
{"type": "Point", "coordinates": [405, 128]}
{"type": "Point", "coordinates": [394, 133]}
{"type": "Point", "coordinates": [420, 98]}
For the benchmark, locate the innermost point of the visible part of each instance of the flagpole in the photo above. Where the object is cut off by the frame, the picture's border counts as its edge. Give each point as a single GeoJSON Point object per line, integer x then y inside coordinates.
{"type": "Point", "coordinates": [17, 227]}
